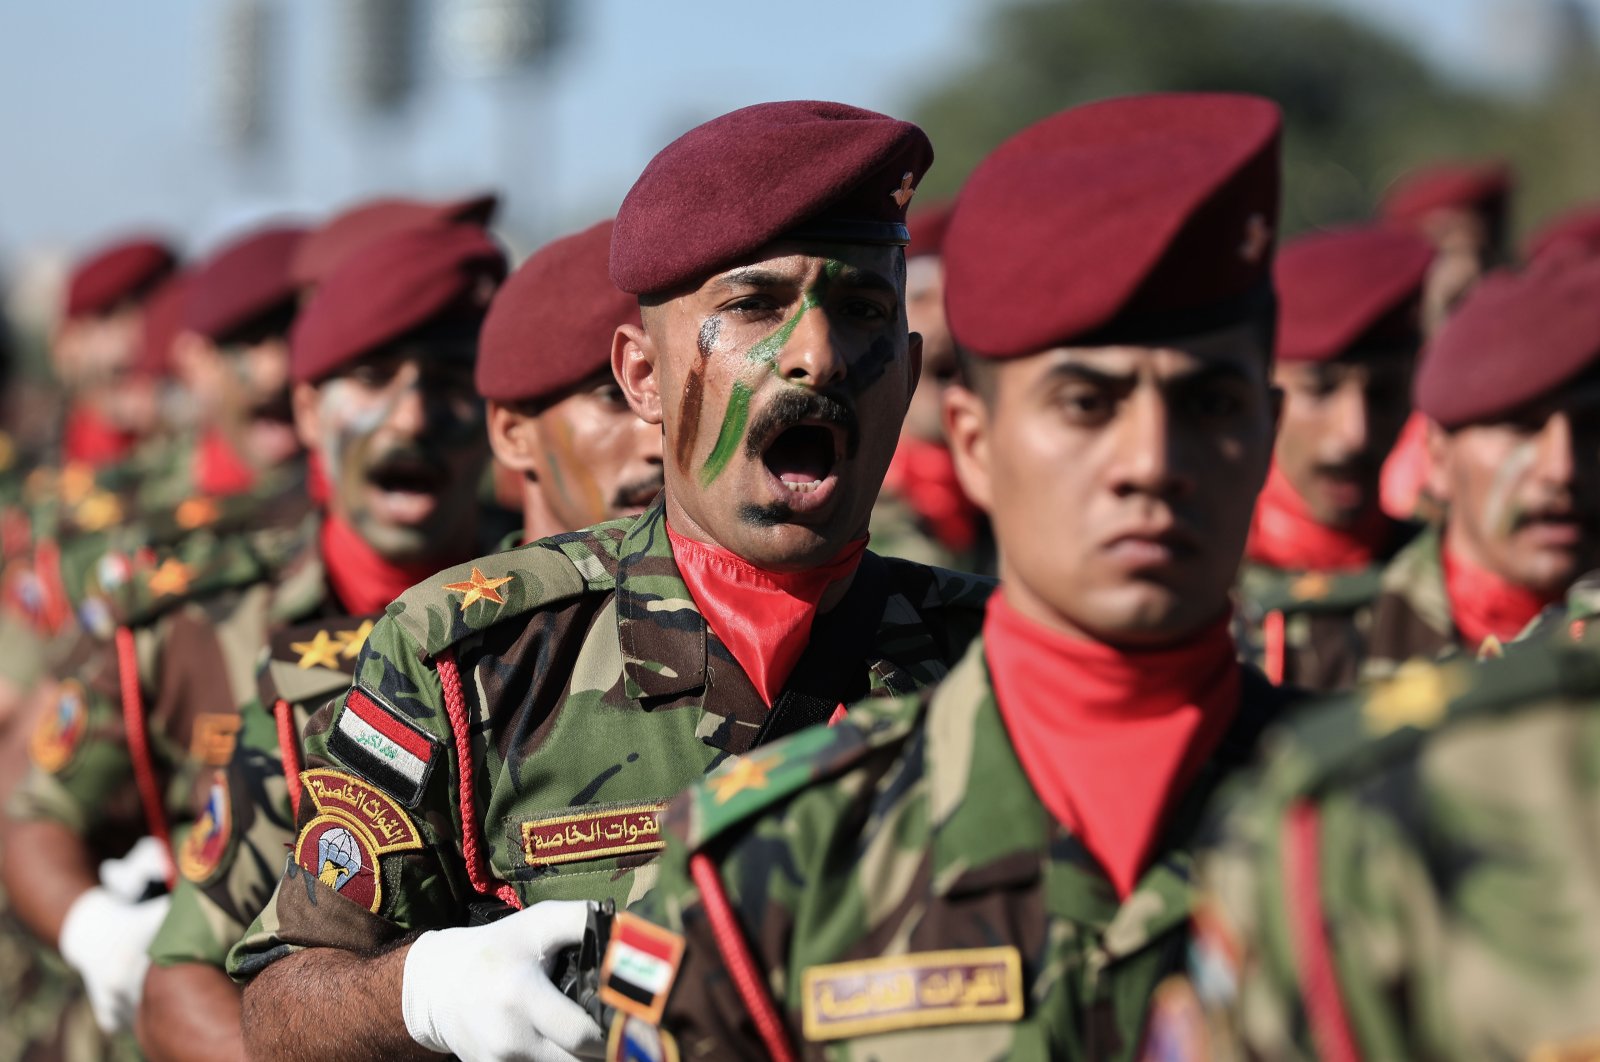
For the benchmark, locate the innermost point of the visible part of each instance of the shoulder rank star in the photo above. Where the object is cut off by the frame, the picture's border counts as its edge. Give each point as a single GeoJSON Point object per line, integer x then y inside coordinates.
{"type": "Point", "coordinates": [171, 578]}
{"type": "Point", "coordinates": [196, 512]}
{"type": "Point", "coordinates": [320, 651]}
{"type": "Point", "coordinates": [479, 588]}
{"type": "Point", "coordinates": [748, 773]}
{"type": "Point", "coordinates": [350, 642]}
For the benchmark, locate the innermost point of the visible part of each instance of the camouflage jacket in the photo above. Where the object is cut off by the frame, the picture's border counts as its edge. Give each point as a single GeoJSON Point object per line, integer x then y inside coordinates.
{"type": "Point", "coordinates": [897, 531]}
{"type": "Point", "coordinates": [1412, 874]}
{"type": "Point", "coordinates": [1411, 618]}
{"type": "Point", "coordinates": [243, 817]}
{"type": "Point", "coordinates": [908, 896]}
{"type": "Point", "coordinates": [1308, 628]}
{"type": "Point", "coordinates": [590, 691]}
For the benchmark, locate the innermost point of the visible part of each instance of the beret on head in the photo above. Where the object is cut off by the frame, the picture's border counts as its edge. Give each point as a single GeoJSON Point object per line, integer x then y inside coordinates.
{"type": "Point", "coordinates": [1575, 231]}
{"type": "Point", "coordinates": [1476, 186]}
{"type": "Point", "coordinates": [1345, 289]}
{"type": "Point", "coordinates": [927, 228]}
{"type": "Point", "coordinates": [1125, 219]}
{"type": "Point", "coordinates": [1517, 337]}
{"type": "Point", "coordinates": [550, 326]}
{"type": "Point", "coordinates": [123, 270]}
{"type": "Point", "coordinates": [163, 320]}
{"type": "Point", "coordinates": [373, 219]}
{"type": "Point", "coordinates": [390, 288]}
{"type": "Point", "coordinates": [741, 181]}
{"type": "Point", "coordinates": [242, 282]}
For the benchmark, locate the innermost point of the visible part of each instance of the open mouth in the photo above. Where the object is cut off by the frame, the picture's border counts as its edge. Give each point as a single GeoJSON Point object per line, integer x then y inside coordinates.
{"type": "Point", "coordinates": [407, 489]}
{"type": "Point", "coordinates": [803, 457]}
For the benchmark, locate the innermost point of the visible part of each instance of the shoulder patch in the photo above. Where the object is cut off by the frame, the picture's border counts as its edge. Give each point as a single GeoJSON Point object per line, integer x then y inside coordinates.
{"type": "Point", "coordinates": [60, 731]}
{"type": "Point", "coordinates": [207, 841]}
{"type": "Point", "coordinates": [355, 824]}
{"type": "Point", "coordinates": [848, 999]}
{"type": "Point", "coordinates": [635, 1040]}
{"type": "Point", "coordinates": [597, 832]}
{"type": "Point", "coordinates": [640, 964]}
{"type": "Point", "coordinates": [370, 736]}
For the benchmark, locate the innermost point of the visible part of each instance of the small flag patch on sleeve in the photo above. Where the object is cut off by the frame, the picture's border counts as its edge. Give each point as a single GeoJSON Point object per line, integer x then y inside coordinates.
{"type": "Point", "coordinates": [370, 737]}
{"type": "Point", "coordinates": [640, 964]}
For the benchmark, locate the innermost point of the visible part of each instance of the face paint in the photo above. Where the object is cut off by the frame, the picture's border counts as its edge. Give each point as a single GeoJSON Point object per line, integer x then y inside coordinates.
{"type": "Point", "coordinates": [732, 433]}
{"type": "Point", "coordinates": [768, 349]}
{"type": "Point", "coordinates": [1500, 512]}
{"type": "Point", "coordinates": [694, 393]}
{"type": "Point", "coordinates": [560, 456]}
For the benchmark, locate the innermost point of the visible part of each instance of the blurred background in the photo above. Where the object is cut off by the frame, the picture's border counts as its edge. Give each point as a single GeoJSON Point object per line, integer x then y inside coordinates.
{"type": "Point", "coordinates": [194, 117]}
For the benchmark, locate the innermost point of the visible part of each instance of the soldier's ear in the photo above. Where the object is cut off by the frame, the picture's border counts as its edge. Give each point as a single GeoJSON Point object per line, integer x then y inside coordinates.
{"type": "Point", "coordinates": [307, 415]}
{"type": "Point", "coordinates": [966, 431]}
{"type": "Point", "coordinates": [1441, 462]}
{"type": "Point", "coordinates": [635, 362]}
{"type": "Point", "coordinates": [514, 437]}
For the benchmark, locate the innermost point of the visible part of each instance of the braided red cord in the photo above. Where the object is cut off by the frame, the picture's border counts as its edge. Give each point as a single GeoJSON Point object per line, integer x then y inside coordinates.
{"type": "Point", "coordinates": [1319, 981]}
{"type": "Point", "coordinates": [289, 746]}
{"type": "Point", "coordinates": [736, 956]}
{"type": "Point", "coordinates": [1276, 637]}
{"type": "Point", "coordinates": [455, 707]}
{"type": "Point", "coordinates": [144, 772]}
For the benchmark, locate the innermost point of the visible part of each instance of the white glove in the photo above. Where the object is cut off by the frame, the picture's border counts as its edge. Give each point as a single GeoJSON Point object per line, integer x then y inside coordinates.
{"type": "Point", "coordinates": [142, 866]}
{"type": "Point", "coordinates": [105, 939]}
{"type": "Point", "coordinates": [484, 992]}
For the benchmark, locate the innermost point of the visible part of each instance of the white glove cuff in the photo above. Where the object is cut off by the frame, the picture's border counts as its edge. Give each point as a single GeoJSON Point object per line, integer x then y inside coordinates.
{"type": "Point", "coordinates": [83, 931]}
{"type": "Point", "coordinates": [415, 994]}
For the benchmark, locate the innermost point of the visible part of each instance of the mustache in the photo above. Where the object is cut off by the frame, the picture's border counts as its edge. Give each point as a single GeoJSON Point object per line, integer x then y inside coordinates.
{"type": "Point", "coordinates": [794, 406]}
{"type": "Point", "coordinates": [405, 459]}
{"type": "Point", "coordinates": [278, 407]}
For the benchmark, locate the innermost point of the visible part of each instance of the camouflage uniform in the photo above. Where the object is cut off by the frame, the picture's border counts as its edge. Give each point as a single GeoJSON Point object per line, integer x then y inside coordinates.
{"type": "Point", "coordinates": [1411, 618]}
{"type": "Point", "coordinates": [908, 896]}
{"type": "Point", "coordinates": [591, 691]}
{"type": "Point", "coordinates": [897, 531]}
{"type": "Point", "coordinates": [1412, 874]}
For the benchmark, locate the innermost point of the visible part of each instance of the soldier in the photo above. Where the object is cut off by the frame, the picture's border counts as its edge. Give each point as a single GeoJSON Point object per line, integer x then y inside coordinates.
{"type": "Point", "coordinates": [534, 710]}
{"type": "Point", "coordinates": [383, 361]}
{"type": "Point", "coordinates": [1348, 335]}
{"type": "Point", "coordinates": [923, 514]}
{"type": "Point", "coordinates": [561, 307]}
{"type": "Point", "coordinates": [1510, 389]}
{"type": "Point", "coordinates": [999, 867]}
{"type": "Point", "coordinates": [1577, 230]}
{"type": "Point", "coordinates": [557, 417]}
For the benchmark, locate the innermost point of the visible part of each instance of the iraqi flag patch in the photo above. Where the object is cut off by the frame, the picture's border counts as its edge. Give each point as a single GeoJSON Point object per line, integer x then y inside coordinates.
{"type": "Point", "coordinates": [369, 735]}
{"type": "Point", "coordinates": [641, 962]}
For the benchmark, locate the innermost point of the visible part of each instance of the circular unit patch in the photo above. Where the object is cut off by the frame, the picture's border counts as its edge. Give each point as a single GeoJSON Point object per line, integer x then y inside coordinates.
{"type": "Point", "coordinates": [60, 731]}
{"type": "Point", "coordinates": [342, 855]}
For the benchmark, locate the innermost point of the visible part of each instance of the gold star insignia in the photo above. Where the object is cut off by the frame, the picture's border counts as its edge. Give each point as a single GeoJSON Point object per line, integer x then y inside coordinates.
{"type": "Point", "coordinates": [196, 512]}
{"type": "Point", "coordinates": [320, 651]}
{"type": "Point", "coordinates": [1491, 649]}
{"type": "Point", "coordinates": [903, 194]}
{"type": "Point", "coordinates": [748, 773]}
{"type": "Point", "coordinates": [77, 480]}
{"type": "Point", "coordinates": [98, 511]}
{"type": "Point", "coordinates": [1418, 695]}
{"type": "Point", "coordinates": [1257, 238]}
{"type": "Point", "coordinates": [171, 578]}
{"type": "Point", "coordinates": [479, 588]}
{"type": "Point", "coordinates": [1311, 586]}
{"type": "Point", "coordinates": [350, 642]}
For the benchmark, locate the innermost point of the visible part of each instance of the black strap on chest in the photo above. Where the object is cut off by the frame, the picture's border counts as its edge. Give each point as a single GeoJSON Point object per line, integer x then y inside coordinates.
{"type": "Point", "coordinates": [831, 671]}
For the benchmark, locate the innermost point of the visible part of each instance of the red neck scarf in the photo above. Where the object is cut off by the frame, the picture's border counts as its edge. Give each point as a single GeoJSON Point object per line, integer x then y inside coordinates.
{"type": "Point", "coordinates": [362, 580]}
{"type": "Point", "coordinates": [764, 618]}
{"type": "Point", "coordinates": [89, 438]}
{"type": "Point", "coordinates": [218, 468]}
{"type": "Point", "coordinates": [1284, 535]}
{"type": "Point", "coordinates": [1484, 604]}
{"type": "Point", "coordinates": [924, 474]}
{"type": "Point", "coordinates": [1110, 739]}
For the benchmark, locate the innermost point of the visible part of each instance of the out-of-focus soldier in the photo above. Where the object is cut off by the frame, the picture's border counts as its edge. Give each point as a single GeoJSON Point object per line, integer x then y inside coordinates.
{"type": "Point", "coordinates": [1576, 231]}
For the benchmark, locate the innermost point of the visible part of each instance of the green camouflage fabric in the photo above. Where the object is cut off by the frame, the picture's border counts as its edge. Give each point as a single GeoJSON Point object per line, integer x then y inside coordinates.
{"type": "Point", "coordinates": [897, 531]}
{"type": "Point", "coordinates": [1411, 618]}
{"type": "Point", "coordinates": [233, 856]}
{"type": "Point", "coordinates": [46, 1014]}
{"type": "Point", "coordinates": [1570, 618]}
{"type": "Point", "coordinates": [1413, 872]}
{"type": "Point", "coordinates": [593, 692]}
{"type": "Point", "coordinates": [910, 897]}
{"type": "Point", "coordinates": [1326, 617]}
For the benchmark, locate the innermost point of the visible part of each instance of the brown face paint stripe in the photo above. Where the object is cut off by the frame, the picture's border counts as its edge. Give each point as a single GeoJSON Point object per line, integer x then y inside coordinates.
{"type": "Point", "coordinates": [694, 394]}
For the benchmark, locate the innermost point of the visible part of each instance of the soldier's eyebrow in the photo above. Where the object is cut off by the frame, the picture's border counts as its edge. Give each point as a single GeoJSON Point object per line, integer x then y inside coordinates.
{"type": "Point", "coordinates": [754, 277]}
{"type": "Point", "coordinates": [1076, 370]}
{"type": "Point", "coordinates": [866, 279]}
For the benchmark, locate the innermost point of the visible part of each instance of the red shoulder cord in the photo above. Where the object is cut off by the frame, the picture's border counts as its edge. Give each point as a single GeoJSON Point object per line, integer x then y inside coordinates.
{"type": "Point", "coordinates": [1319, 981]}
{"type": "Point", "coordinates": [144, 772]}
{"type": "Point", "coordinates": [1276, 649]}
{"type": "Point", "coordinates": [455, 706]}
{"type": "Point", "coordinates": [289, 747]}
{"type": "Point", "coordinates": [736, 956]}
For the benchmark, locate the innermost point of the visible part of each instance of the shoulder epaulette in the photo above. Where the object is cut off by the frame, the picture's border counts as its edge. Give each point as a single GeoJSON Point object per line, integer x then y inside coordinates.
{"type": "Point", "coordinates": [470, 597]}
{"type": "Point", "coordinates": [152, 582]}
{"type": "Point", "coordinates": [310, 662]}
{"type": "Point", "coordinates": [1309, 592]}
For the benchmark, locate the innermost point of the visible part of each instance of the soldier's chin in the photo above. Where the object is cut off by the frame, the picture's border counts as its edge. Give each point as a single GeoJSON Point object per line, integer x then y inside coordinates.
{"type": "Point", "coordinates": [1145, 616]}
{"type": "Point", "coordinates": [271, 442]}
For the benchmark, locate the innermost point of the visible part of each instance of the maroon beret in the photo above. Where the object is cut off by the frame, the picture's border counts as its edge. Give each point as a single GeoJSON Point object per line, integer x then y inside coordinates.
{"type": "Point", "coordinates": [1577, 229]}
{"type": "Point", "coordinates": [242, 282]}
{"type": "Point", "coordinates": [123, 270]}
{"type": "Point", "coordinates": [1476, 186]}
{"type": "Point", "coordinates": [550, 327]}
{"type": "Point", "coordinates": [1128, 218]}
{"type": "Point", "coordinates": [391, 287]}
{"type": "Point", "coordinates": [163, 320]}
{"type": "Point", "coordinates": [1349, 288]}
{"type": "Point", "coordinates": [737, 183]}
{"type": "Point", "coordinates": [374, 218]}
{"type": "Point", "coordinates": [927, 228]}
{"type": "Point", "coordinates": [1515, 338]}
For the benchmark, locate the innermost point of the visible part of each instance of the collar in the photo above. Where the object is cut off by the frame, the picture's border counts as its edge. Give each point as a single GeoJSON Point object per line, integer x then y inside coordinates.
{"type": "Point", "coordinates": [1284, 534]}
{"type": "Point", "coordinates": [659, 628]}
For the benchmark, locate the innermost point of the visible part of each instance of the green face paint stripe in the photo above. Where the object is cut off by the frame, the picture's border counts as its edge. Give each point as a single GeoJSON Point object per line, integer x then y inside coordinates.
{"type": "Point", "coordinates": [769, 348]}
{"type": "Point", "coordinates": [730, 436]}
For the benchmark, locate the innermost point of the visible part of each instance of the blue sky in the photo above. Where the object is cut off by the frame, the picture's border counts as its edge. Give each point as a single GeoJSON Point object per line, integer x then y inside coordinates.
{"type": "Point", "coordinates": [107, 108]}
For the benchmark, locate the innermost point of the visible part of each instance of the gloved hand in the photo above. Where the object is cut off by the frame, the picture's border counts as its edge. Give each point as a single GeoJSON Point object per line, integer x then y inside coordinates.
{"type": "Point", "coordinates": [135, 873]}
{"type": "Point", "coordinates": [484, 992]}
{"type": "Point", "coordinates": [105, 939]}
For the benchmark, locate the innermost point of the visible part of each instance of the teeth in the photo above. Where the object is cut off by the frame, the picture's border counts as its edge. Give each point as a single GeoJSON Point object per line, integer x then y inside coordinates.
{"type": "Point", "coordinates": [803, 488]}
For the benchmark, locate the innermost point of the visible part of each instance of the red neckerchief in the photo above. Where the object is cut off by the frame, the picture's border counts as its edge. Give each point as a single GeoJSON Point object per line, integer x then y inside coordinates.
{"type": "Point", "coordinates": [1110, 739]}
{"type": "Point", "coordinates": [90, 439]}
{"type": "Point", "coordinates": [316, 479]}
{"type": "Point", "coordinates": [1405, 470]}
{"type": "Point", "coordinates": [764, 618]}
{"type": "Point", "coordinates": [218, 468]}
{"type": "Point", "coordinates": [924, 474]}
{"type": "Point", "coordinates": [361, 579]}
{"type": "Point", "coordinates": [1484, 604]}
{"type": "Point", "coordinates": [1283, 533]}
